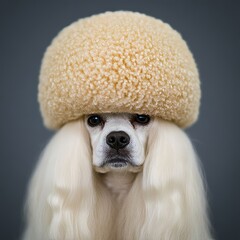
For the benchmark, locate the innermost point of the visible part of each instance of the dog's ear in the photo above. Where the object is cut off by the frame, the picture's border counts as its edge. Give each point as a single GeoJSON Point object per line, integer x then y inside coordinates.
{"type": "Point", "coordinates": [61, 191]}
{"type": "Point", "coordinates": [173, 187]}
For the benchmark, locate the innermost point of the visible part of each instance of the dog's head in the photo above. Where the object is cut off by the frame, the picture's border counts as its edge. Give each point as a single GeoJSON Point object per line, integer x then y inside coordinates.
{"type": "Point", "coordinates": [118, 140]}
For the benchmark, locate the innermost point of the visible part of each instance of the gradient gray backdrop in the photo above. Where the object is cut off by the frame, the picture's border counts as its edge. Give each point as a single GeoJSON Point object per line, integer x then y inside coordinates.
{"type": "Point", "coordinates": [212, 31]}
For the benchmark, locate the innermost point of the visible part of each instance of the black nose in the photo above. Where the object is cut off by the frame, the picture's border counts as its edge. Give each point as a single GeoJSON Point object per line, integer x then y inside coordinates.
{"type": "Point", "coordinates": [118, 139]}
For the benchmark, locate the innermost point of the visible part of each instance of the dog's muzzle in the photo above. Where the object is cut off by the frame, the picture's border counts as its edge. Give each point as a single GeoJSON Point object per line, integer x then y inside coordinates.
{"type": "Point", "coordinates": [117, 156]}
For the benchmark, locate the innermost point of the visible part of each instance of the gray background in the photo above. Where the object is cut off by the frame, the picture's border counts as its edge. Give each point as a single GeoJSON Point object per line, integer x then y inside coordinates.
{"type": "Point", "coordinates": [212, 31]}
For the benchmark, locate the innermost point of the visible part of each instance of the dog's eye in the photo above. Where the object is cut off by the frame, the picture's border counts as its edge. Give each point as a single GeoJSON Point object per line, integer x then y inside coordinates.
{"type": "Point", "coordinates": [94, 120]}
{"type": "Point", "coordinates": [142, 119]}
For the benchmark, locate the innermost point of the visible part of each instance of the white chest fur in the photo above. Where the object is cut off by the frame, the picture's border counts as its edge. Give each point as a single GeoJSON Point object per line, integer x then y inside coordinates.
{"type": "Point", "coordinates": [119, 184]}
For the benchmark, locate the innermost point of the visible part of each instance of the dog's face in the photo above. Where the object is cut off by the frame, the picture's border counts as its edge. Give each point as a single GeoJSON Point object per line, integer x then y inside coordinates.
{"type": "Point", "coordinates": [118, 140]}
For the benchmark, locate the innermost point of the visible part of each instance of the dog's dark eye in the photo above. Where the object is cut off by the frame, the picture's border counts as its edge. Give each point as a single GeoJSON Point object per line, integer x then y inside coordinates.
{"type": "Point", "coordinates": [142, 119]}
{"type": "Point", "coordinates": [94, 120]}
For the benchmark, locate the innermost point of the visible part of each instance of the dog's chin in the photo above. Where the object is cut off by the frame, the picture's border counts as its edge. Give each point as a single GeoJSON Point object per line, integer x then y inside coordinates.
{"type": "Point", "coordinates": [118, 165]}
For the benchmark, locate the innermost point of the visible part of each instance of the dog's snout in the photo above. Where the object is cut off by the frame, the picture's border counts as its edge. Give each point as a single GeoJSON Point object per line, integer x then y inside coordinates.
{"type": "Point", "coordinates": [118, 139]}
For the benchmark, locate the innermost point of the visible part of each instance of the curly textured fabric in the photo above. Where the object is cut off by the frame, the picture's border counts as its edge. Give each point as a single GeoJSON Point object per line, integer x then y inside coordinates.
{"type": "Point", "coordinates": [118, 62]}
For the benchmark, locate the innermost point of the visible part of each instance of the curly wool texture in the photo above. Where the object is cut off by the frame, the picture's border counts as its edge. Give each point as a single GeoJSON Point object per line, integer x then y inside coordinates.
{"type": "Point", "coordinates": [118, 62]}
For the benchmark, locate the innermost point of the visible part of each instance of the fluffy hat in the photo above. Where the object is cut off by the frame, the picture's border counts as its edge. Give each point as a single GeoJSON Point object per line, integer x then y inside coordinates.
{"type": "Point", "coordinates": [118, 62]}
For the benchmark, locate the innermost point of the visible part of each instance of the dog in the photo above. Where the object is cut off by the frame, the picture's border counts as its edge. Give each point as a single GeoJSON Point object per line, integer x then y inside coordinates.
{"type": "Point", "coordinates": [117, 176]}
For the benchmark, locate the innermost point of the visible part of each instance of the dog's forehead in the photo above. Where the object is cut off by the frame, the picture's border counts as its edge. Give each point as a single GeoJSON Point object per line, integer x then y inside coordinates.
{"type": "Point", "coordinates": [116, 120]}
{"type": "Point", "coordinates": [112, 116]}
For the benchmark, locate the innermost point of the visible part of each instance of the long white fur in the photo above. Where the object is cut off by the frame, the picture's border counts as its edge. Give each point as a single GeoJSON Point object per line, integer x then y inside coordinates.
{"type": "Point", "coordinates": [68, 200]}
{"type": "Point", "coordinates": [173, 189]}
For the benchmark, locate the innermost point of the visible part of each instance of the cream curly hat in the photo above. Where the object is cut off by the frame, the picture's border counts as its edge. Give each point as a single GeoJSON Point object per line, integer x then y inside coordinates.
{"type": "Point", "coordinates": [118, 62]}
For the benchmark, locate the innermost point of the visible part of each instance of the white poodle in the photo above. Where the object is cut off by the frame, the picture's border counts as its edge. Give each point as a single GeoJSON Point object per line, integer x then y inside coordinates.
{"type": "Point", "coordinates": [117, 177]}
{"type": "Point", "coordinates": [119, 87]}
